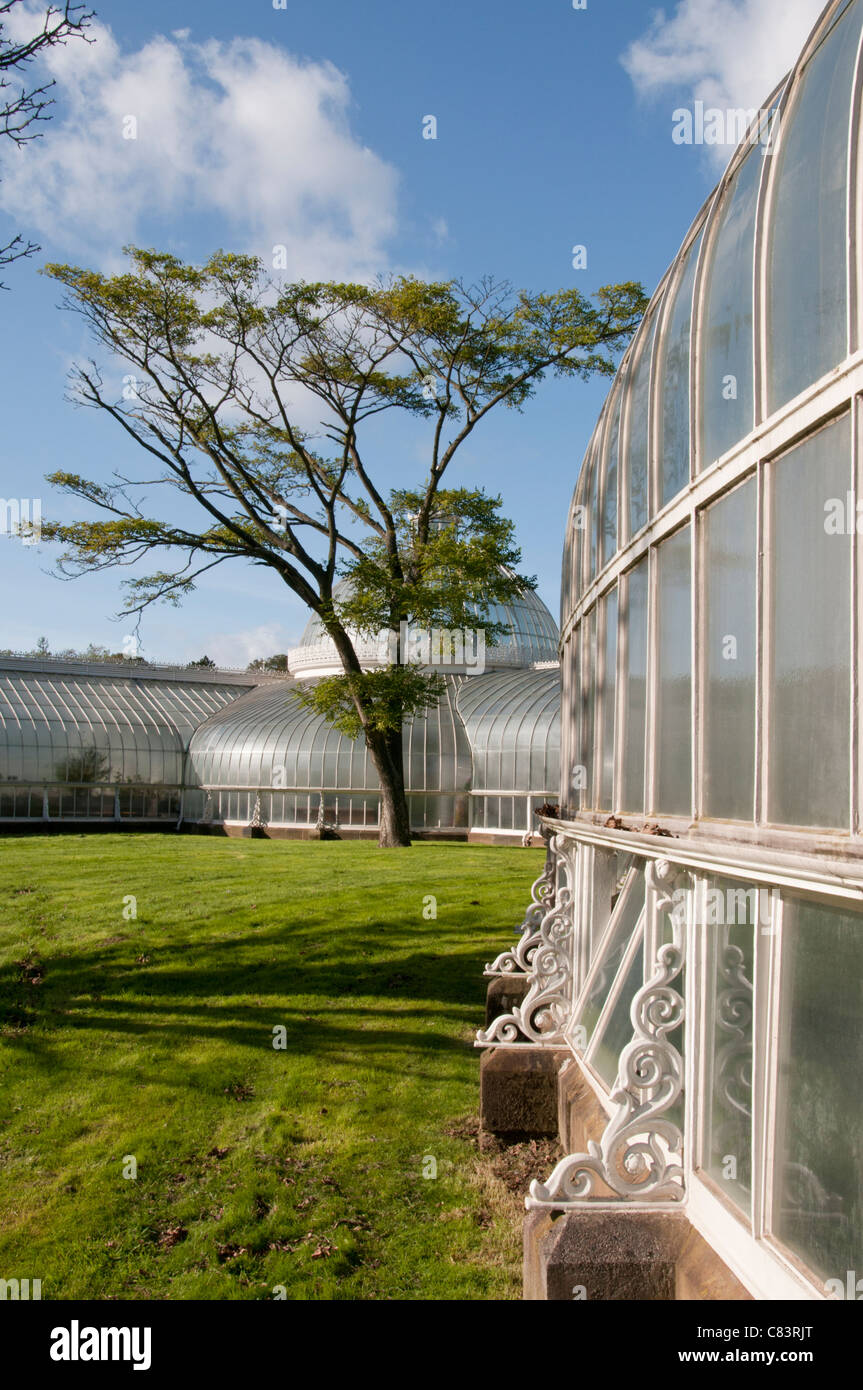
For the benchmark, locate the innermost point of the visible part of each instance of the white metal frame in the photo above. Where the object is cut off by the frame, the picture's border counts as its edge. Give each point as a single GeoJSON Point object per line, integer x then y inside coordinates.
{"type": "Point", "coordinates": [744, 1238]}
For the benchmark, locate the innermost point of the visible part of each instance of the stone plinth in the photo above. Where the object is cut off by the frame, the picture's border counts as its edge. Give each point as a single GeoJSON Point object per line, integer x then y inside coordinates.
{"type": "Point", "coordinates": [626, 1255]}
{"type": "Point", "coordinates": [518, 1091]}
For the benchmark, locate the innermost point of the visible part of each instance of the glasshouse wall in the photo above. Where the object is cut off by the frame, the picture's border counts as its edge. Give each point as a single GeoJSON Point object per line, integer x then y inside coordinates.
{"type": "Point", "coordinates": [80, 744]}
{"type": "Point", "coordinates": [477, 765]}
{"type": "Point", "coordinates": [219, 753]}
{"type": "Point", "coordinates": [697, 945]}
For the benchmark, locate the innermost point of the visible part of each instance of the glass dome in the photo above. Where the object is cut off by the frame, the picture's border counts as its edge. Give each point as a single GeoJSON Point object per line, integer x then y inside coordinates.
{"type": "Point", "coordinates": [235, 751]}
{"type": "Point", "coordinates": [531, 636]}
{"type": "Point", "coordinates": [266, 747]}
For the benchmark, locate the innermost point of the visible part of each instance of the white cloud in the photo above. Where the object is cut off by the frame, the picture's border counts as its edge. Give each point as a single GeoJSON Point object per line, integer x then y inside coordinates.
{"type": "Point", "coordinates": [237, 649]}
{"type": "Point", "coordinates": [241, 132]}
{"type": "Point", "coordinates": [726, 53]}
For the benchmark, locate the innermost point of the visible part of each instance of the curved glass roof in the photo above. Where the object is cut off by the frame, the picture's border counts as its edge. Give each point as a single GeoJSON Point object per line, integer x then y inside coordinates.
{"type": "Point", "coordinates": [265, 739]}
{"type": "Point", "coordinates": [533, 634]}
{"type": "Point", "coordinates": [70, 728]}
{"type": "Point", "coordinates": [765, 263]}
{"type": "Point", "coordinates": [513, 723]}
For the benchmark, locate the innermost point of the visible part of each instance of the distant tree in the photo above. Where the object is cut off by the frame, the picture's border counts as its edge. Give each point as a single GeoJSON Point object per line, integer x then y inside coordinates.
{"type": "Point", "coordinates": [270, 663]}
{"type": "Point", "coordinates": [203, 661]}
{"type": "Point", "coordinates": [90, 765]}
{"type": "Point", "coordinates": [22, 108]}
{"type": "Point", "coordinates": [92, 652]}
{"type": "Point", "coordinates": [223, 367]}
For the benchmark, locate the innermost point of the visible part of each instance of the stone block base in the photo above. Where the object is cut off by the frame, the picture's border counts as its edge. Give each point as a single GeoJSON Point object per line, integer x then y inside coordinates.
{"type": "Point", "coordinates": [504, 993]}
{"type": "Point", "coordinates": [628, 1255]}
{"type": "Point", "coordinates": [518, 1091]}
{"type": "Point", "coordinates": [580, 1116]}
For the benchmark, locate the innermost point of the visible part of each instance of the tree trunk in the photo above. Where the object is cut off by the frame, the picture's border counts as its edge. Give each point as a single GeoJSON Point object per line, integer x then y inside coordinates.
{"type": "Point", "coordinates": [388, 757]}
{"type": "Point", "coordinates": [387, 754]}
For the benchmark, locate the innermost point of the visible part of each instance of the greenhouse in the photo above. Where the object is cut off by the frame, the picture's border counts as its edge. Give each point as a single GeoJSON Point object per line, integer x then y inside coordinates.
{"type": "Point", "coordinates": [231, 752]}
{"type": "Point", "coordinates": [694, 951]}
{"type": "Point", "coordinates": [80, 743]}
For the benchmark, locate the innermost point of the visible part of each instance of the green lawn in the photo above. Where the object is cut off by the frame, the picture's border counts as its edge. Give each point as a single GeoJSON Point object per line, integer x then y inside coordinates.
{"type": "Point", "coordinates": [256, 1166]}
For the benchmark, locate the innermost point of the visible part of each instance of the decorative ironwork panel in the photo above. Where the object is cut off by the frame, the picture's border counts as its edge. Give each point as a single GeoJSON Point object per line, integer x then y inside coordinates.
{"type": "Point", "coordinates": [639, 1157]}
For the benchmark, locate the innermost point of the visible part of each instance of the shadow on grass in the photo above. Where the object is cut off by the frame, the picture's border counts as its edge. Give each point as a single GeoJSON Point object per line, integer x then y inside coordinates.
{"type": "Point", "coordinates": [100, 992]}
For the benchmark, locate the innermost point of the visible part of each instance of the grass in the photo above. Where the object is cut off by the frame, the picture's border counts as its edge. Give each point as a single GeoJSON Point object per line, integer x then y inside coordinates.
{"type": "Point", "coordinates": [147, 1042]}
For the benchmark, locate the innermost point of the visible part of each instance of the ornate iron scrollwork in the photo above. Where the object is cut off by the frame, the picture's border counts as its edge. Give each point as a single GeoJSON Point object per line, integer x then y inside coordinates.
{"type": "Point", "coordinates": [519, 960]}
{"type": "Point", "coordinates": [544, 1011]}
{"type": "Point", "coordinates": [732, 1084]}
{"type": "Point", "coordinates": [638, 1157]}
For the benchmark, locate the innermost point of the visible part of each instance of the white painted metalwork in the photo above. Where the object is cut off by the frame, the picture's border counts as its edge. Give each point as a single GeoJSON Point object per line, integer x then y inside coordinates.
{"type": "Point", "coordinates": [543, 1014]}
{"type": "Point", "coordinates": [519, 960]}
{"type": "Point", "coordinates": [639, 1157]}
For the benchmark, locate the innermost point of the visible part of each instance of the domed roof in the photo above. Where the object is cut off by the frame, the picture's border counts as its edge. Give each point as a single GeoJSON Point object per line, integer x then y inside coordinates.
{"type": "Point", "coordinates": [494, 737]}
{"type": "Point", "coordinates": [531, 636]}
{"type": "Point", "coordinates": [267, 739]}
{"type": "Point", "coordinates": [512, 720]}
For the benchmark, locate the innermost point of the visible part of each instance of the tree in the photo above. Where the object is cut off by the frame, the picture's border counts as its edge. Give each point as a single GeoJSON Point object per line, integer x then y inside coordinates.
{"type": "Point", "coordinates": [90, 765]}
{"type": "Point", "coordinates": [92, 652]}
{"type": "Point", "coordinates": [279, 662]}
{"type": "Point", "coordinates": [226, 370]}
{"type": "Point", "coordinates": [20, 108]}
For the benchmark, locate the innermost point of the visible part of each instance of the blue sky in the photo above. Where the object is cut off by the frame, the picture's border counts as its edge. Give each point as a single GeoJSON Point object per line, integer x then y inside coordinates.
{"type": "Point", "coordinates": [303, 126]}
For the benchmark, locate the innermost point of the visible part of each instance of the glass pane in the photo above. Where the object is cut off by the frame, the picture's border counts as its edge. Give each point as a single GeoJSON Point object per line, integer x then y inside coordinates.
{"type": "Point", "coordinates": [807, 288]}
{"type": "Point", "coordinates": [726, 329]}
{"type": "Point", "coordinates": [566, 573]}
{"type": "Point", "coordinates": [731, 918]}
{"type": "Point", "coordinates": [629, 908]}
{"type": "Point", "coordinates": [588, 707]}
{"type": "Point", "coordinates": [639, 397]}
{"type": "Point", "coordinates": [609, 682]}
{"type": "Point", "coordinates": [809, 726]}
{"type": "Point", "coordinates": [610, 868]}
{"type": "Point", "coordinates": [566, 702]}
{"type": "Point", "coordinates": [674, 401]}
{"type": "Point", "coordinates": [730, 579]}
{"type": "Point", "coordinates": [634, 711]}
{"type": "Point", "coordinates": [574, 772]}
{"type": "Point", "coordinates": [818, 1201]}
{"type": "Point", "coordinates": [609, 501]}
{"type": "Point", "coordinates": [580, 523]}
{"type": "Point", "coordinates": [674, 687]}
{"type": "Point", "coordinates": [618, 1030]}
{"type": "Point", "coordinates": [594, 509]}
